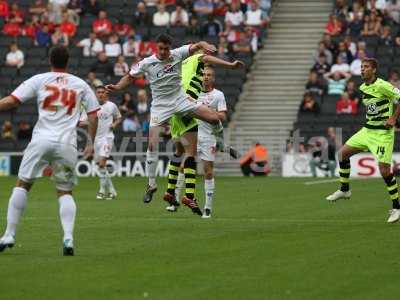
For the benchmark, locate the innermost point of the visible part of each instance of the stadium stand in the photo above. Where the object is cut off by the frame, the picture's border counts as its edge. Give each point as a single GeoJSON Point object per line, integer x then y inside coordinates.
{"type": "Point", "coordinates": [34, 26]}
{"type": "Point", "coordinates": [355, 29]}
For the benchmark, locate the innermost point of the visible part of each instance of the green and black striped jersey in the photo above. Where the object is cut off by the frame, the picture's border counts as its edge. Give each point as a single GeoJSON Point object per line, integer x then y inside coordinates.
{"type": "Point", "coordinates": [379, 98]}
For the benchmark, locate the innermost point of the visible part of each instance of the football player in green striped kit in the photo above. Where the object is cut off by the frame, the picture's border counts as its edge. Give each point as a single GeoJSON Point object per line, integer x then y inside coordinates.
{"type": "Point", "coordinates": [377, 135]}
{"type": "Point", "coordinates": [184, 130]}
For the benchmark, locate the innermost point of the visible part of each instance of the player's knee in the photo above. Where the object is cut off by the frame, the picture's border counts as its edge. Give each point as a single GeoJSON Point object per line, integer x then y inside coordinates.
{"type": "Point", "coordinates": [385, 170]}
{"type": "Point", "coordinates": [23, 184]}
{"type": "Point", "coordinates": [101, 164]}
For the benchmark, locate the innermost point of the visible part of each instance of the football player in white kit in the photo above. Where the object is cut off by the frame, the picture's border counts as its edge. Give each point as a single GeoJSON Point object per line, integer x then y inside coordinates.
{"type": "Point", "coordinates": [109, 118]}
{"type": "Point", "coordinates": [163, 71]}
{"type": "Point", "coordinates": [207, 143]}
{"type": "Point", "coordinates": [59, 96]}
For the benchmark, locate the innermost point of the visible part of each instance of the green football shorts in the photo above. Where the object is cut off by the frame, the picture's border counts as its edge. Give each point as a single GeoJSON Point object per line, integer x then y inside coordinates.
{"type": "Point", "coordinates": [379, 142]}
{"type": "Point", "coordinates": [181, 124]}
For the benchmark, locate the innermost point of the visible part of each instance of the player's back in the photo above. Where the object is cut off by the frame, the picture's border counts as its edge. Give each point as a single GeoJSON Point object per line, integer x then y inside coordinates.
{"type": "Point", "coordinates": [59, 96]}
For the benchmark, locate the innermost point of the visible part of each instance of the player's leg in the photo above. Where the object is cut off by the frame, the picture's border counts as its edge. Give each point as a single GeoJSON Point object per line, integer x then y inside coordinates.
{"type": "Point", "coordinates": [63, 163]}
{"type": "Point", "coordinates": [16, 207]}
{"type": "Point", "coordinates": [151, 162]}
{"type": "Point", "coordinates": [209, 186]}
{"type": "Point", "coordinates": [356, 144]}
{"type": "Point", "coordinates": [102, 171]}
{"type": "Point", "coordinates": [112, 193]}
{"type": "Point", "coordinates": [189, 142]}
{"type": "Point", "coordinates": [173, 173]}
{"type": "Point", "coordinates": [382, 149]}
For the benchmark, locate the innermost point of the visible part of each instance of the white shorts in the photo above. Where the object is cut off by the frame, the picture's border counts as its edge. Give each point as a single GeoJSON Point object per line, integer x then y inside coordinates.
{"type": "Point", "coordinates": [103, 147]}
{"type": "Point", "coordinates": [62, 159]}
{"type": "Point", "coordinates": [207, 147]}
{"type": "Point", "coordinates": [182, 105]}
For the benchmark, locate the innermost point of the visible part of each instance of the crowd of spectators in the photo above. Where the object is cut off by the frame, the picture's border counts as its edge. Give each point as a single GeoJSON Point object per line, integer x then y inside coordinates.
{"type": "Point", "coordinates": [355, 29]}
{"type": "Point", "coordinates": [116, 41]}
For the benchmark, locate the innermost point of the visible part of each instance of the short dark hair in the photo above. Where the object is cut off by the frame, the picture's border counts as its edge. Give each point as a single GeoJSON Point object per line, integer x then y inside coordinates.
{"type": "Point", "coordinates": [164, 38]}
{"type": "Point", "coordinates": [59, 56]}
{"type": "Point", "coordinates": [372, 61]}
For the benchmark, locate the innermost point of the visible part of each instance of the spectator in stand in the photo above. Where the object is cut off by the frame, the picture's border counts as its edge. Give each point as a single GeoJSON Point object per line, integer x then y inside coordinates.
{"type": "Point", "coordinates": [334, 26]}
{"type": "Point", "coordinates": [141, 18]}
{"type": "Point", "coordinates": [386, 37]}
{"type": "Point", "coordinates": [43, 37]}
{"type": "Point", "coordinates": [194, 27]}
{"type": "Point", "coordinates": [45, 20]}
{"type": "Point", "coordinates": [24, 131]}
{"type": "Point", "coordinates": [121, 68]}
{"type": "Point", "coordinates": [147, 47]}
{"type": "Point", "coordinates": [321, 66]}
{"type": "Point", "coordinates": [103, 65]}
{"type": "Point", "coordinates": [130, 48]}
{"type": "Point", "coordinates": [345, 53]}
{"type": "Point", "coordinates": [353, 92]}
{"type": "Point", "coordinates": [355, 67]}
{"type": "Point", "coordinates": [91, 7]}
{"type": "Point", "coordinates": [393, 10]}
{"type": "Point", "coordinates": [142, 106]}
{"type": "Point", "coordinates": [357, 11]}
{"type": "Point", "coordinates": [251, 35]}
{"type": "Point", "coordinates": [323, 50]}
{"type": "Point", "coordinates": [355, 26]}
{"type": "Point", "coordinates": [314, 85]}
{"type": "Point", "coordinates": [55, 9]}
{"type": "Point", "coordinates": [377, 4]}
{"type": "Point", "coordinates": [179, 17]}
{"type": "Point", "coordinates": [161, 17]}
{"type": "Point", "coordinates": [243, 45]}
{"type": "Point", "coordinates": [121, 28]}
{"type": "Point", "coordinates": [16, 14]}
{"type": "Point", "coordinates": [211, 27]}
{"type": "Point", "coordinates": [341, 67]}
{"type": "Point", "coordinates": [59, 38]}
{"type": "Point", "coordinates": [255, 16]}
{"type": "Point", "coordinates": [38, 7]}
{"type": "Point", "coordinates": [220, 8]}
{"type": "Point", "coordinates": [230, 34]}
{"type": "Point", "coordinates": [372, 25]}
{"type": "Point", "coordinates": [394, 78]}
{"type": "Point", "coordinates": [102, 26]}
{"type": "Point", "coordinates": [12, 28]}
{"type": "Point", "coordinates": [362, 45]}
{"type": "Point", "coordinates": [309, 104]}
{"type": "Point", "coordinates": [350, 45]}
{"type": "Point", "coordinates": [127, 105]}
{"type": "Point", "coordinates": [66, 26]}
{"type": "Point", "coordinates": [4, 9]}
{"type": "Point", "coordinates": [234, 15]}
{"type": "Point", "coordinates": [340, 9]}
{"type": "Point", "coordinates": [15, 58]}
{"type": "Point", "coordinates": [130, 123]}
{"type": "Point", "coordinates": [203, 7]}
{"type": "Point", "coordinates": [31, 27]}
{"type": "Point", "coordinates": [346, 106]}
{"type": "Point", "coordinates": [7, 131]}
{"type": "Point", "coordinates": [93, 81]}
{"type": "Point", "coordinates": [336, 83]}
{"type": "Point", "coordinates": [74, 10]}
{"type": "Point", "coordinates": [113, 48]}
{"type": "Point", "coordinates": [92, 46]}
{"type": "Point", "coordinates": [151, 3]}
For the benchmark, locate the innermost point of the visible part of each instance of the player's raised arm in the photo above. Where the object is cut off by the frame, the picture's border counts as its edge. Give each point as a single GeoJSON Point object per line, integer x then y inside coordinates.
{"type": "Point", "coordinates": [215, 61]}
{"type": "Point", "coordinates": [204, 46]}
{"type": "Point", "coordinates": [8, 103]}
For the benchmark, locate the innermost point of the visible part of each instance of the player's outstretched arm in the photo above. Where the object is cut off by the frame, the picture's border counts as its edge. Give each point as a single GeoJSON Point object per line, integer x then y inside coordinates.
{"type": "Point", "coordinates": [122, 84]}
{"type": "Point", "coordinates": [8, 103]}
{"type": "Point", "coordinates": [204, 46]}
{"type": "Point", "coordinates": [215, 61]}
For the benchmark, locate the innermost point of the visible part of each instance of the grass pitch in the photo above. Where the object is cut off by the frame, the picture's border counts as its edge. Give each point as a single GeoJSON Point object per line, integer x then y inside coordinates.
{"type": "Point", "coordinates": [269, 238]}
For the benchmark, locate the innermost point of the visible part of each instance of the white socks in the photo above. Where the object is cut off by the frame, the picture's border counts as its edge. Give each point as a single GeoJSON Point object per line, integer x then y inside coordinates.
{"type": "Point", "coordinates": [106, 184]}
{"type": "Point", "coordinates": [151, 167]}
{"type": "Point", "coordinates": [16, 206]}
{"type": "Point", "coordinates": [67, 215]}
{"type": "Point", "coordinates": [209, 186]}
{"type": "Point", "coordinates": [180, 184]}
{"type": "Point", "coordinates": [103, 180]}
